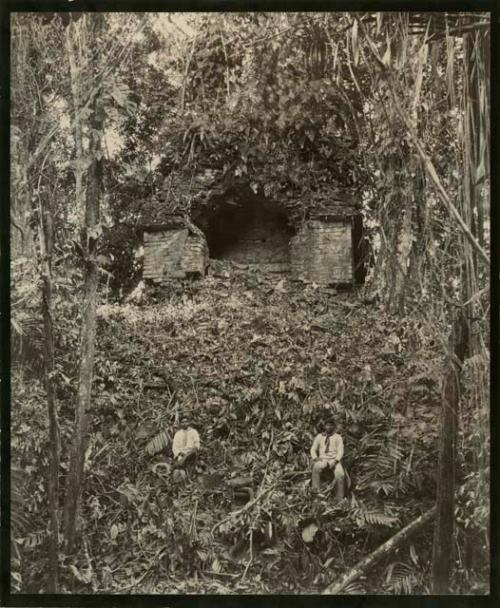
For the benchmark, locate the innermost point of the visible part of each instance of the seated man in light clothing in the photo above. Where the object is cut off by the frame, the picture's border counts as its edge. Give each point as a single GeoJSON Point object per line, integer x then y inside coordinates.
{"type": "Point", "coordinates": [186, 443]}
{"type": "Point", "coordinates": [327, 451]}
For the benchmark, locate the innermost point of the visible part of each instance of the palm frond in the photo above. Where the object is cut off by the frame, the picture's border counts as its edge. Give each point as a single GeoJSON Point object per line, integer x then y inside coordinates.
{"type": "Point", "coordinates": [355, 588]}
{"type": "Point", "coordinates": [381, 487]}
{"type": "Point", "coordinates": [15, 572]}
{"type": "Point", "coordinates": [158, 443]}
{"type": "Point", "coordinates": [34, 539]}
{"type": "Point", "coordinates": [401, 578]}
{"type": "Point", "coordinates": [18, 520]}
{"type": "Point", "coordinates": [377, 518]}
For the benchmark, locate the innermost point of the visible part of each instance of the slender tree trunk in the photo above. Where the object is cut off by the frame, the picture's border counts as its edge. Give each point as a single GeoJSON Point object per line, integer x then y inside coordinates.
{"type": "Point", "coordinates": [21, 234]}
{"type": "Point", "coordinates": [20, 200]}
{"type": "Point", "coordinates": [442, 554]}
{"type": "Point", "coordinates": [23, 245]}
{"type": "Point", "coordinates": [88, 331]}
{"type": "Point", "coordinates": [46, 245]}
{"type": "Point", "coordinates": [73, 48]}
{"type": "Point", "coordinates": [382, 552]}
{"type": "Point", "coordinates": [474, 165]}
{"type": "Point", "coordinates": [87, 346]}
{"type": "Point", "coordinates": [473, 131]}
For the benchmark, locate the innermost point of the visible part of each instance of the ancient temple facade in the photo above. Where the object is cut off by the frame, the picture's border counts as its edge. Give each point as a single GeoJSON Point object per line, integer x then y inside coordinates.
{"type": "Point", "coordinates": [319, 249]}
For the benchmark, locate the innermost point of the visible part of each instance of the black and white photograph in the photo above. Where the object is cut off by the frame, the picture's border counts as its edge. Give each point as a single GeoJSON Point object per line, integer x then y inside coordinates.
{"type": "Point", "coordinates": [249, 290]}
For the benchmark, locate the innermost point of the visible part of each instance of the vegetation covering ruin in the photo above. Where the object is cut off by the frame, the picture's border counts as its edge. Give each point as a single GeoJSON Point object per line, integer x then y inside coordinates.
{"type": "Point", "coordinates": [121, 118]}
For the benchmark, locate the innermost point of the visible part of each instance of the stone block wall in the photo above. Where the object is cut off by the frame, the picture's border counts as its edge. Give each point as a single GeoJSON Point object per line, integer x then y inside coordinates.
{"type": "Point", "coordinates": [322, 253]}
{"type": "Point", "coordinates": [195, 255]}
{"type": "Point", "coordinates": [173, 254]}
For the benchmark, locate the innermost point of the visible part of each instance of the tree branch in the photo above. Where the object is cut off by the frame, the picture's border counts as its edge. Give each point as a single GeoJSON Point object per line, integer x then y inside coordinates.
{"type": "Point", "coordinates": [383, 551]}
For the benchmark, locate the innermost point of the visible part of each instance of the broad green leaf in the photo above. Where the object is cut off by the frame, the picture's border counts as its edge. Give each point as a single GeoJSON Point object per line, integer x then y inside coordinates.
{"type": "Point", "coordinates": [355, 42]}
{"type": "Point", "coordinates": [119, 94]}
{"type": "Point", "coordinates": [386, 59]}
{"type": "Point", "coordinates": [309, 532]}
{"type": "Point", "coordinates": [95, 232]}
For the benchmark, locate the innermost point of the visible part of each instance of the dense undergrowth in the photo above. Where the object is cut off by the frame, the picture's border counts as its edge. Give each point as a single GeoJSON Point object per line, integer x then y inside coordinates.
{"type": "Point", "coordinates": [257, 361]}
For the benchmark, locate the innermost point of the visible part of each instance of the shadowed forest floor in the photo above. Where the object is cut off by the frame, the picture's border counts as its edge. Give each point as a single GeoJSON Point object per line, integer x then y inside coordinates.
{"type": "Point", "coordinates": [254, 359]}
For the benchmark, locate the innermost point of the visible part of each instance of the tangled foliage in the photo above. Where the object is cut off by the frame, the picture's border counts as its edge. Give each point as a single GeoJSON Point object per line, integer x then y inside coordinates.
{"type": "Point", "coordinates": [222, 350]}
{"type": "Point", "coordinates": [255, 360]}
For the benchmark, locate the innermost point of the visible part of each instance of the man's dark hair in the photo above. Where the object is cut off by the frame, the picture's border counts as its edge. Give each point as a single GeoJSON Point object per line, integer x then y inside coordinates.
{"type": "Point", "coordinates": [322, 422]}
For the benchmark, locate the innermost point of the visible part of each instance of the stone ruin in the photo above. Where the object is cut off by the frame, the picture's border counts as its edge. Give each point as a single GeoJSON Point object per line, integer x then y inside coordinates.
{"type": "Point", "coordinates": [174, 249]}
{"type": "Point", "coordinates": [322, 253]}
{"type": "Point", "coordinates": [321, 249]}
{"type": "Point", "coordinates": [249, 233]}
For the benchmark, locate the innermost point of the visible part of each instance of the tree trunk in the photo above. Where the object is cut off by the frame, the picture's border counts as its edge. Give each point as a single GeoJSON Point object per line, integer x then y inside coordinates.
{"type": "Point", "coordinates": [74, 51]}
{"type": "Point", "coordinates": [90, 235]}
{"type": "Point", "coordinates": [46, 245]}
{"type": "Point", "coordinates": [381, 552]}
{"type": "Point", "coordinates": [443, 531]}
{"type": "Point", "coordinates": [474, 164]}
{"type": "Point", "coordinates": [23, 174]}
{"type": "Point", "coordinates": [21, 237]}
{"type": "Point", "coordinates": [87, 347]}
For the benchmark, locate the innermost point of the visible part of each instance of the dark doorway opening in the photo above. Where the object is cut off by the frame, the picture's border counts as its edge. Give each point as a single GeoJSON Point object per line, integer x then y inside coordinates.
{"type": "Point", "coordinates": [360, 250]}
{"type": "Point", "coordinates": [250, 233]}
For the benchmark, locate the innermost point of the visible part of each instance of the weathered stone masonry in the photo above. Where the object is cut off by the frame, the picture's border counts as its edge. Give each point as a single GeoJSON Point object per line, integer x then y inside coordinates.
{"type": "Point", "coordinates": [321, 252]}
{"type": "Point", "coordinates": [174, 251]}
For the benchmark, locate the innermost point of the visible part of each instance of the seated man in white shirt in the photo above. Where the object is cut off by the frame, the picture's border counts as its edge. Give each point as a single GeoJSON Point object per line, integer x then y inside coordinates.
{"type": "Point", "coordinates": [186, 443]}
{"type": "Point", "coordinates": [326, 452]}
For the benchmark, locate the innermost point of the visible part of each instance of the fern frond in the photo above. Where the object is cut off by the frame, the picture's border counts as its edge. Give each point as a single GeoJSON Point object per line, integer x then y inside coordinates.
{"type": "Point", "coordinates": [401, 578]}
{"type": "Point", "coordinates": [365, 516]}
{"type": "Point", "coordinates": [17, 500]}
{"type": "Point", "coordinates": [18, 522]}
{"type": "Point", "coordinates": [355, 588]}
{"type": "Point", "coordinates": [32, 540]}
{"type": "Point", "coordinates": [395, 451]}
{"type": "Point", "coordinates": [158, 443]}
{"type": "Point", "coordinates": [382, 486]}
{"type": "Point", "coordinates": [384, 463]}
{"type": "Point", "coordinates": [381, 519]}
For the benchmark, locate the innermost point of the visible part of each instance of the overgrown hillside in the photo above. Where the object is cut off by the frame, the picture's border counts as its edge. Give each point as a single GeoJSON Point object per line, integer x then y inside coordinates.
{"type": "Point", "coordinates": [255, 360]}
{"type": "Point", "coordinates": [120, 120]}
